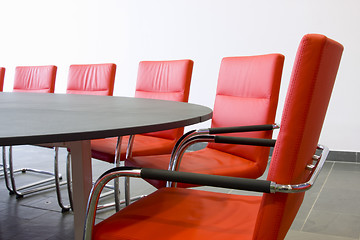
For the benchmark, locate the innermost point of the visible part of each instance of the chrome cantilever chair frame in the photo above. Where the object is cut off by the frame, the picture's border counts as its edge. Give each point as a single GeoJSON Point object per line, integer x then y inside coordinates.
{"type": "Point", "coordinates": [32, 187]}
{"type": "Point", "coordinates": [256, 185]}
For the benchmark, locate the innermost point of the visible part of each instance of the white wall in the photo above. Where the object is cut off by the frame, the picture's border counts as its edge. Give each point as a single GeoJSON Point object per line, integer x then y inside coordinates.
{"type": "Point", "coordinates": [65, 32]}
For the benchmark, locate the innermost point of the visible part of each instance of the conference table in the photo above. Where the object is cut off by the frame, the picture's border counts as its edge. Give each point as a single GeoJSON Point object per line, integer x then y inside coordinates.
{"type": "Point", "coordinates": [73, 120]}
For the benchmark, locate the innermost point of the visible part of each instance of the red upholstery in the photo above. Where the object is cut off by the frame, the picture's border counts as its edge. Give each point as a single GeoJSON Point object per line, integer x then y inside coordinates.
{"type": "Point", "coordinates": [175, 213]}
{"type": "Point", "coordinates": [104, 149]}
{"type": "Point", "coordinates": [165, 215]}
{"type": "Point", "coordinates": [312, 80]}
{"type": "Point", "coordinates": [2, 76]}
{"type": "Point", "coordinates": [250, 85]}
{"type": "Point", "coordinates": [39, 79]}
{"type": "Point", "coordinates": [166, 80]}
{"type": "Point", "coordinates": [91, 79]}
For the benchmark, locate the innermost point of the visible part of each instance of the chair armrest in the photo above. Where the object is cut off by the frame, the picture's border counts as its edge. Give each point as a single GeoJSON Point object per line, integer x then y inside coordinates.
{"type": "Point", "coordinates": [175, 159]}
{"type": "Point", "coordinates": [221, 130]}
{"type": "Point", "coordinates": [252, 128]}
{"type": "Point", "coordinates": [208, 180]}
{"type": "Point", "coordinates": [245, 141]}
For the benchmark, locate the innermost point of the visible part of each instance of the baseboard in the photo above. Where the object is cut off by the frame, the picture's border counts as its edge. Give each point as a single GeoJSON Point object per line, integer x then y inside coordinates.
{"type": "Point", "coordinates": [341, 156]}
{"type": "Point", "coordinates": [344, 156]}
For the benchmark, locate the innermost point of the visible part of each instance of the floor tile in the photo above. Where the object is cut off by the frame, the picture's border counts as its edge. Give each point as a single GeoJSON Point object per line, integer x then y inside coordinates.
{"type": "Point", "coordinates": [330, 223]}
{"type": "Point", "coordinates": [299, 235]}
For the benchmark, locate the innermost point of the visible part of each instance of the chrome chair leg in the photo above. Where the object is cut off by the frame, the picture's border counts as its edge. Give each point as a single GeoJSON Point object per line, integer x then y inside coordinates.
{"type": "Point", "coordinates": [127, 180]}
{"type": "Point", "coordinates": [5, 171]}
{"type": "Point", "coordinates": [116, 181]}
{"type": "Point", "coordinates": [68, 180]}
{"type": "Point", "coordinates": [29, 188]}
{"type": "Point", "coordinates": [1, 165]}
{"type": "Point", "coordinates": [128, 199]}
{"type": "Point", "coordinates": [64, 208]}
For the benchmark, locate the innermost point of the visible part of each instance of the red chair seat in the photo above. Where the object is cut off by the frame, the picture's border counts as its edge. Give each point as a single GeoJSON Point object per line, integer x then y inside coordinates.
{"type": "Point", "coordinates": [104, 149]}
{"type": "Point", "coordinates": [165, 215]}
{"type": "Point", "coordinates": [206, 161]}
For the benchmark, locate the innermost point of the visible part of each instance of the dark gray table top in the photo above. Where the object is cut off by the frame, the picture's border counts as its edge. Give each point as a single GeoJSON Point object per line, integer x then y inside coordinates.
{"type": "Point", "coordinates": [33, 118]}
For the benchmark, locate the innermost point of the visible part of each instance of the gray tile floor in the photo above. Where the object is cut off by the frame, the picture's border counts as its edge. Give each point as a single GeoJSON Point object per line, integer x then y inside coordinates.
{"type": "Point", "coordinates": [330, 211]}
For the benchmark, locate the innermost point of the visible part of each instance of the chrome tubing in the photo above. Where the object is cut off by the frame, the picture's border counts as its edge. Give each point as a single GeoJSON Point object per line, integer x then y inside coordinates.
{"type": "Point", "coordinates": [127, 180]}
{"type": "Point", "coordinates": [128, 199]}
{"type": "Point", "coordinates": [307, 185]}
{"type": "Point", "coordinates": [176, 160]}
{"type": "Point", "coordinates": [183, 139]}
{"type": "Point", "coordinates": [116, 181]}
{"type": "Point", "coordinates": [276, 126]}
{"type": "Point", "coordinates": [64, 208]}
{"type": "Point", "coordinates": [17, 190]}
{"type": "Point", "coordinates": [95, 194]}
{"type": "Point", "coordinates": [7, 183]}
{"type": "Point", "coordinates": [69, 179]}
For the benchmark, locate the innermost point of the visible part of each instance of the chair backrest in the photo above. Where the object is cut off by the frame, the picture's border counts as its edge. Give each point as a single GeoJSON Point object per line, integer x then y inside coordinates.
{"type": "Point", "coordinates": [247, 94]}
{"type": "Point", "coordinates": [165, 80]}
{"type": "Point", "coordinates": [312, 80]}
{"type": "Point", "coordinates": [2, 76]}
{"type": "Point", "coordinates": [91, 79]}
{"type": "Point", "coordinates": [39, 79]}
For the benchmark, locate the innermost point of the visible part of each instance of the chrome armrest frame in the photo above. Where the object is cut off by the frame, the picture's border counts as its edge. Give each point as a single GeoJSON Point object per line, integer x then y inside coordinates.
{"type": "Point", "coordinates": [213, 131]}
{"type": "Point", "coordinates": [95, 195]}
{"type": "Point", "coordinates": [320, 160]}
{"type": "Point", "coordinates": [203, 135]}
{"type": "Point", "coordinates": [176, 158]}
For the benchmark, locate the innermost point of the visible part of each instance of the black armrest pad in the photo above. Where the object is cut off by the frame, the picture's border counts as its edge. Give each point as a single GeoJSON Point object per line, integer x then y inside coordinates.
{"type": "Point", "coordinates": [245, 141]}
{"type": "Point", "coordinates": [221, 130]}
{"type": "Point", "coordinates": [207, 180]}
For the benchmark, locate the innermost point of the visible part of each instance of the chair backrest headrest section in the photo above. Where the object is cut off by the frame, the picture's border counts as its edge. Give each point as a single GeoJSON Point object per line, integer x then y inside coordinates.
{"type": "Point", "coordinates": [165, 80]}
{"type": "Point", "coordinates": [39, 79]}
{"type": "Point", "coordinates": [91, 79]}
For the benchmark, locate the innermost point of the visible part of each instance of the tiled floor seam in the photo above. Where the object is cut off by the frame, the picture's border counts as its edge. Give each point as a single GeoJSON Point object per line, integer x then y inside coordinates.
{"type": "Point", "coordinates": [317, 197]}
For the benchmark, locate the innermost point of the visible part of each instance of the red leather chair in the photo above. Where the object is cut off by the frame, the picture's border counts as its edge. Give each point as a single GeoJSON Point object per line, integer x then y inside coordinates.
{"type": "Point", "coordinates": [180, 213]}
{"type": "Point", "coordinates": [166, 80]}
{"type": "Point", "coordinates": [87, 79]}
{"type": "Point", "coordinates": [247, 93]}
{"type": "Point", "coordinates": [2, 77]}
{"type": "Point", "coordinates": [37, 79]}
